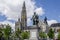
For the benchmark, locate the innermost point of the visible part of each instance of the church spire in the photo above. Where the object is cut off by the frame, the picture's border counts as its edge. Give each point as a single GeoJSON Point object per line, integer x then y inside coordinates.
{"type": "Point", "coordinates": [24, 16]}
{"type": "Point", "coordinates": [24, 4]}
{"type": "Point", "coordinates": [24, 7]}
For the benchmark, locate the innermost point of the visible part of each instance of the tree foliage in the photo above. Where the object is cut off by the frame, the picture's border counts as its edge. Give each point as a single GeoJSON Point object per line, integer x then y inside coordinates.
{"type": "Point", "coordinates": [51, 33]}
{"type": "Point", "coordinates": [59, 36]}
{"type": "Point", "coordinates": [7, 31]}
{"type": "Point", "coordinates": [1, 34]}
{"type": "Point", "coordinates": [42, 35]}
{"type": "Point", "coordinates": [25, 35]}
{"type": "Point", "coordinates": [18, 32]}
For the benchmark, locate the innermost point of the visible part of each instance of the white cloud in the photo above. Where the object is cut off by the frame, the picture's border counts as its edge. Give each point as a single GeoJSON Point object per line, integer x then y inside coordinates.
{"type": "Point", "coordinates": [29, 22]}
{"type": "Point", "coordinates": [40, 11]}
{"type": "Point", "coordinates": [51, 22]}
{"type": "Point", "coordinates": [12, 9]}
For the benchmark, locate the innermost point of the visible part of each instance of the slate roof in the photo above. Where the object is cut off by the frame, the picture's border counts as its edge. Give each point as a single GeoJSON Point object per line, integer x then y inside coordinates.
{"type": "Point", "coordinates": [31, 27]}
{"type": "Point", "coordinates": [55, 25]}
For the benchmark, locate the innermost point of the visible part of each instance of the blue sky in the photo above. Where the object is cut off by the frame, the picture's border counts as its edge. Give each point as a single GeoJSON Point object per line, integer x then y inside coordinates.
{"type": "Point", "coordinates": [51, 7]}
{"type": "Point", "coordinates": [10, 10]}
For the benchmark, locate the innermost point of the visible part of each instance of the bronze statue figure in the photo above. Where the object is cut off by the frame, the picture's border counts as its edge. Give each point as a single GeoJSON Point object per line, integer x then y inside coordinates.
{"type": "Point", "coordinates": [45, 20]}
{"type": "Point", "coordinates": [35, 19]}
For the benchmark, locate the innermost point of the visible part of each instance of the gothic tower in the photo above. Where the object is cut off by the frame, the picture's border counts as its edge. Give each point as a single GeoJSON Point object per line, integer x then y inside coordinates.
{"type": "Point", "coordinates": [24, 16]}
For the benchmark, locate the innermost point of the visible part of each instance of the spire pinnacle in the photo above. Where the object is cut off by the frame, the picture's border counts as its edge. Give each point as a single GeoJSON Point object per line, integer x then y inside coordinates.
{"type": "Point", "coordinates": [24, 5]}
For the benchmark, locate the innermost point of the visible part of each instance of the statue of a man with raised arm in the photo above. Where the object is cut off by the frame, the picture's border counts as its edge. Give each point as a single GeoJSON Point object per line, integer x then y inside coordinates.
{"type": "Point", "coordinates": [35, 19]}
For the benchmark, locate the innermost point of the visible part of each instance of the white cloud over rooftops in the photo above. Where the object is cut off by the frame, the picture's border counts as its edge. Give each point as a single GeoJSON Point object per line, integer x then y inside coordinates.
{"type": "Point", "coordinates": [52, 21]}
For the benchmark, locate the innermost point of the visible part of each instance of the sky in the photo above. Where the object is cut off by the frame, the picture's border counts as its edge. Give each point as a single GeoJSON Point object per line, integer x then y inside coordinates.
{"type": "Point", "coordinates": [10, 10]}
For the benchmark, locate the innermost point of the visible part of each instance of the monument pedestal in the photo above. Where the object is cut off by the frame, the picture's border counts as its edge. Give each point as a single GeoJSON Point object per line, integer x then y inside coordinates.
{"type": "Point", "coordinates": [33, 39]}
{"type": "Point", "coordinates": [34, 33]}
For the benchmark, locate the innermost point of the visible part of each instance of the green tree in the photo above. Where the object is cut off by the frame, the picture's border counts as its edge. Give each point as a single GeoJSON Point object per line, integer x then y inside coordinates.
{"type": "Point", "coordinates": [7, 32]}
{"type": "Point", "coordinates": [42, 35]}
{"type": "Point", "coordinates": [25, 35]}
{"type": "Point", "coordinates": [59, 36]}
{"type": "Point", "coordinates": [51, 33]}
{"type": "Point", "coordinates": [17, 33]}
{"type": "Point", "coordinates": [1, 34]}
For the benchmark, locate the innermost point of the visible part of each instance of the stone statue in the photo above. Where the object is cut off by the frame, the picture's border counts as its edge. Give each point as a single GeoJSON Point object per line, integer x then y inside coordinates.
{"type": "Point", "coordinates": [35, 19]}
